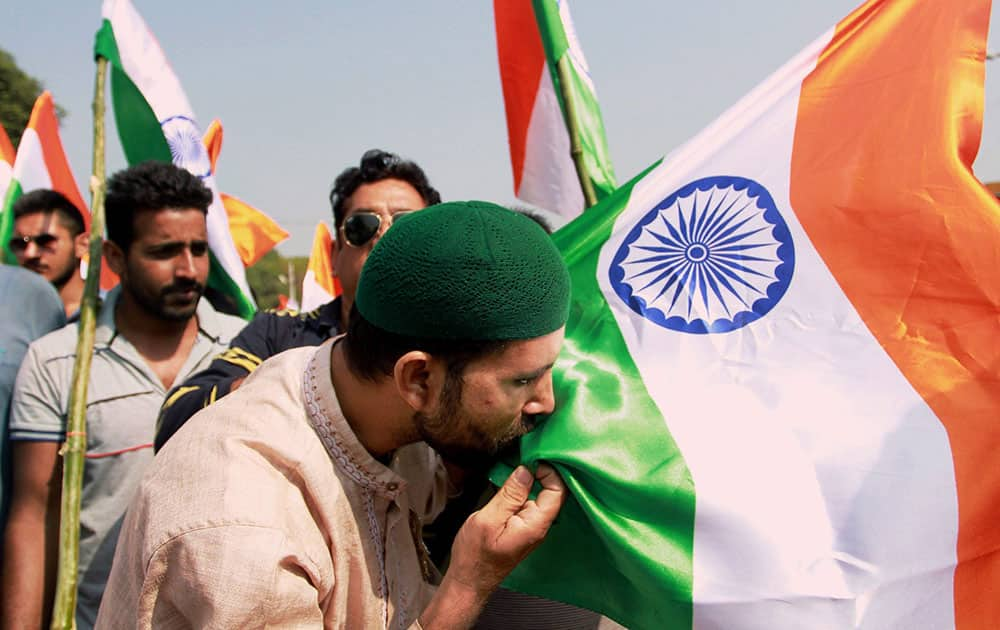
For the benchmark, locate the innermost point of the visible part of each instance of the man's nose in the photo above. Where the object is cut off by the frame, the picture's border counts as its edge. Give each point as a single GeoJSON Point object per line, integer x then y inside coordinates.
{"type": "Point", "coordinates": [32, 250]}
{"type": "Point", "coordinates": [185, 265]}
{"type": "Point", "coordinates": [543, 401]}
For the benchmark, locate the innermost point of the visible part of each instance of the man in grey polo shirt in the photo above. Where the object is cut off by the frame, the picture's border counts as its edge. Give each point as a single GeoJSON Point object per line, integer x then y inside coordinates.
{"type": "Point", "coordinates": [153, 330]}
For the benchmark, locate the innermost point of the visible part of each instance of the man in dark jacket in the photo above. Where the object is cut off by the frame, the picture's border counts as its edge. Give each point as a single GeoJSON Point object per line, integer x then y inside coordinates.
{"type": "Point", "coordinates": [365, 199]}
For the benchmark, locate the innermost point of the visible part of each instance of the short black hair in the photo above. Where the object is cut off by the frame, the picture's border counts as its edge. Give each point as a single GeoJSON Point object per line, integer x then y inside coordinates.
{"type": "Point", "coordinates": [145, 187]}
{"type": "Point", "coordinates": [534, 216]}
{"type": "Point", "coordinates": [375, 166]}
{"type": "Point", "coordinates": [45, 200]}
{"type": "Point", "coordinates": [372, 352]}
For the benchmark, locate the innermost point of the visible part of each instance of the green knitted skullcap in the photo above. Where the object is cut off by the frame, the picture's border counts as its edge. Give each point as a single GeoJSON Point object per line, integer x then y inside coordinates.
{"type": "Point", "coordinates": [467, 270]}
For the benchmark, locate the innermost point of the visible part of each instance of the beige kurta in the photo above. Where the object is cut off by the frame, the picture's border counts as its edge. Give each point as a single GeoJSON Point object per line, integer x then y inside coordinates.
{"type": "Point", "coordinates": [265, 511]}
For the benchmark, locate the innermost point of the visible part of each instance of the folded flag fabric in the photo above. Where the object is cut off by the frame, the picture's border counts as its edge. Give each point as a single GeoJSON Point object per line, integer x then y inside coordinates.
{"type": "Point", "coordinates": [155, 122]}
{"type": "Point", "coordinates": [319, 285]}
{"type": "Point", "coordinates": [778, 404]}
{"type": "Point", "coordinates": [532, 37]}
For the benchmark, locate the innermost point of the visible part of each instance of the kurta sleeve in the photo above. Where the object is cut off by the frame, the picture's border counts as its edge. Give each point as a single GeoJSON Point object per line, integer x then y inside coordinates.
{"type": "Point", "coordinates": [231, 576]}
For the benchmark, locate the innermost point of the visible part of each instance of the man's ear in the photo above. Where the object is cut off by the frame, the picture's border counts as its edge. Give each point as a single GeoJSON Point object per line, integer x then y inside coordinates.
{"type": "Point", "coordinates": [80, 244]}
{"type": "Point", "coordinates": [115, 257]}
{"type": "Point", "coordinates": [419, 378]}
{"type": "Point", "coordinates": [334, 248]}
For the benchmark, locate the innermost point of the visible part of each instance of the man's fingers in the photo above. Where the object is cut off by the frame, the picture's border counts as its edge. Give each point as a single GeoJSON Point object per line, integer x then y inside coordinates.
{"type": "Point", "coordinates": [553, 492]}
{"type": "Point", "coordinates": [511, 497]}
{"type": "Point", "coordinates": [538, 514]}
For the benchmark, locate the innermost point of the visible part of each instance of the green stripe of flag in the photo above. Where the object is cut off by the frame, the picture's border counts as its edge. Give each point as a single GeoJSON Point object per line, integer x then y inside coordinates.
{"type": "Point", "coordinates": [7, 221]}
{"type": "Point", "coordinates": [599, 438]}
{"type": "Point", "coordinates": [220, 281]}
{"type": "Point", "coordinates": [139, 130]}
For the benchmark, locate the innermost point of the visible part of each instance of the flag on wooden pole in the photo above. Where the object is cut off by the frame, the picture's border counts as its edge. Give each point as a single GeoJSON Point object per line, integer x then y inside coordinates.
{"type": "Point", "coordinates": [155, 122]}
{"type": "Point", "coordinates": [533, 37]}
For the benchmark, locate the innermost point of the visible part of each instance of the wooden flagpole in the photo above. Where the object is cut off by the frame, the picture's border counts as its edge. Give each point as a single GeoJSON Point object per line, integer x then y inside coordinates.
{"type": "Point", "coordinates": [575, 147]}
{"type": "Point", "coordinates": [75, 447]}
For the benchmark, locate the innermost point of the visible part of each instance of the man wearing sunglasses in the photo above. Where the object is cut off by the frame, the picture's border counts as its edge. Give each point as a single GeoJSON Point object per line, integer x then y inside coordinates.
{"type": "Point", "coordinates": [366, 199]}
{"type": "Point", "coordinates": [49, 239]}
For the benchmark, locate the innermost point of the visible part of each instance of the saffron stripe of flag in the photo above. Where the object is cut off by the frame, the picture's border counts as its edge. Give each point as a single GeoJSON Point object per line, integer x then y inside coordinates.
{"type": "Point", "coordinates": [532, 36]}
{"type": "Point", "coordinates": [319, 285]}
{"type": "Point", "coordinates": [254, 233]}
{"type": "Point", "coordinates": [155, 122]}
{"type": "Point", "coordinates": [778, 400]}
{"type": "Point", "coordinates": [6, 162]}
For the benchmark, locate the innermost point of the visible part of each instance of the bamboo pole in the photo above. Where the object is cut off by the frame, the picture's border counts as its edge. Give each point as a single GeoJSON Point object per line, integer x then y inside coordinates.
{"type": "Point", "coordinates": [575, 147]}
{"type": "Point", "coordinates": [75, 447]}
{"type": "Point", "coordinates": [293, 284]}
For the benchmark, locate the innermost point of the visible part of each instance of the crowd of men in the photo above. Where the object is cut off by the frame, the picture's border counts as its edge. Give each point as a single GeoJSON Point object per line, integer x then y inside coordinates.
{"type": "Point", "coordinates": [298, 458]}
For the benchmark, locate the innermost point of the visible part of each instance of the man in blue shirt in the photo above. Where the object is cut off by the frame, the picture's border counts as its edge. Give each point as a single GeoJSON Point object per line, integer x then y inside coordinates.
{"type": "Point", "coordinates": [32, 309]}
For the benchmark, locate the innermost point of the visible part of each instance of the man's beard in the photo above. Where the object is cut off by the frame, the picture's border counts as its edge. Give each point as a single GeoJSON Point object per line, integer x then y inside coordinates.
{"type": "Point", "coordinates": [158, 307]}
{"type": "Point", "coordinates": [445, 430]}
{"type": "Point", "coordinates": [60, 281]}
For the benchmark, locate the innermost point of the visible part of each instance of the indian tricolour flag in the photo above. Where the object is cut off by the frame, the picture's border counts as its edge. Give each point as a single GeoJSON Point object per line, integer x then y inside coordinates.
{"type": "Point", "coordinates": [778, 404]}
{"type": "Point", "coordinates": [319, 285]}
{"type": "Point", "coordinates": [40, 163]}
{"type": "Point", "coordinates": [155, 122]}
{"type": "Point", "coordinates": [533, 37]}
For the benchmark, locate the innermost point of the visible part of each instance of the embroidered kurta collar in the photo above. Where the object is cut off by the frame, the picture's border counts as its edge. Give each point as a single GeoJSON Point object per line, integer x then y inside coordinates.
{"type": "Point", "coordinates": [343, 446]}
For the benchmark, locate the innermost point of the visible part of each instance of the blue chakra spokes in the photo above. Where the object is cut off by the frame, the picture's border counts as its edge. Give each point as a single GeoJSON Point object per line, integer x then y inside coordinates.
{"type": "Point", "coordinates": [186, 148]}
{"type": "Point", "coordinates": [712, 257]}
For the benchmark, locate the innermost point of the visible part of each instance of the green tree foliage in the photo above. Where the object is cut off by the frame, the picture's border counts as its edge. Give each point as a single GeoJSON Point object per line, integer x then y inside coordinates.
{"type": "Point", "coordinates": [269, 278]}
{"type": "Point", "coordinates": [18, 91]}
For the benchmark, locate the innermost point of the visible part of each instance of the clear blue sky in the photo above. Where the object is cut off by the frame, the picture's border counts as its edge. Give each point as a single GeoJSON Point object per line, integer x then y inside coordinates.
{"type": "Point", "coordinates": [303, 88]}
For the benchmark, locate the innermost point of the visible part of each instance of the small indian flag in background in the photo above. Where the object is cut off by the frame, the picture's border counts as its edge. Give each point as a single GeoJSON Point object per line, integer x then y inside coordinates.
{"type": "Point", "coordinates": [254, 233]}
{"type": "Point", "coordinates": [778, 404]}
{"type": "Point", "coordinates": [41, 163]}
{"type": "Point", "coordinates": [319, 286]}
{"type": "Point", "coordinates": [533, 36]}
{"type": "Point", "coordinates": [155, 122]}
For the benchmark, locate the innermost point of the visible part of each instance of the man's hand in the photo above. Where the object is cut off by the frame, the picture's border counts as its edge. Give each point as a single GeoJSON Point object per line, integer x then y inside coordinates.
{"type": "Point", "coordinates": [491, 543]}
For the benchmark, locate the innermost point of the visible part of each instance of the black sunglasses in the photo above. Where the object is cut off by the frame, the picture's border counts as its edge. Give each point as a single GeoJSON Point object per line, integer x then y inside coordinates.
{"type": "Point", "coordinates": [361, 227]}
{"type": "Point", "coordinates": [20, 243]}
